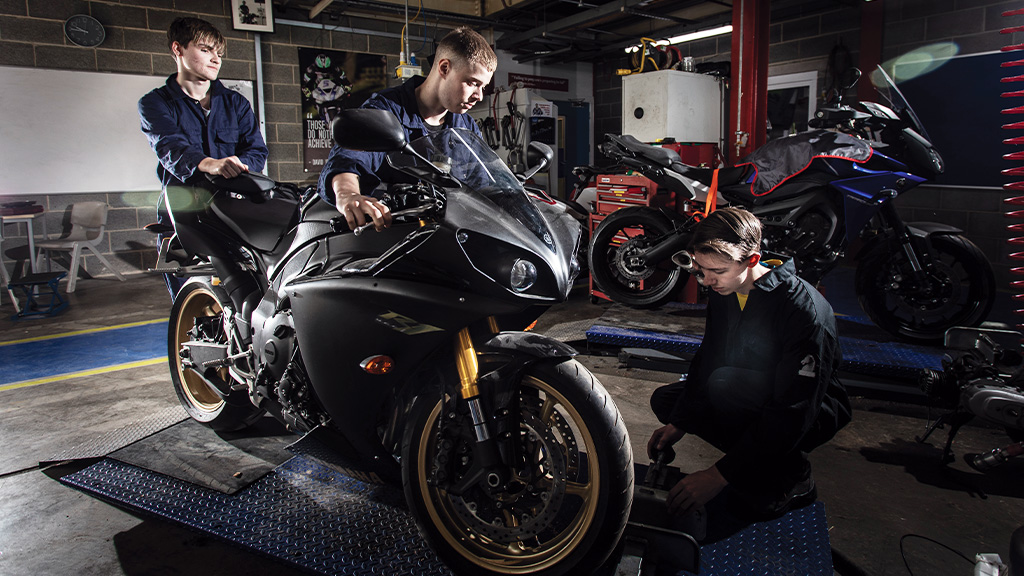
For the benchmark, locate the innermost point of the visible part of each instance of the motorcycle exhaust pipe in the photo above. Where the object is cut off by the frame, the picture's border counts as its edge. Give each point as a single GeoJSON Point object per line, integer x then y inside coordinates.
{"type": "Point", "coordinates": [684, 260]}
{"type": "Point", "coordinates": [996, 457]}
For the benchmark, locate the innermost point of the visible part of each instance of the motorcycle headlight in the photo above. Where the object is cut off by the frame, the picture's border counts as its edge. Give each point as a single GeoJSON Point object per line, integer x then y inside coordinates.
{"type": "Point", "coordinates": [523, 275]}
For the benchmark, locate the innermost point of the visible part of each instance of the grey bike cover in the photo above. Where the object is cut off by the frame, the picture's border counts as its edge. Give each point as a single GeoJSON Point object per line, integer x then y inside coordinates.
{"type": "Point", "coordinates": [781, 159]}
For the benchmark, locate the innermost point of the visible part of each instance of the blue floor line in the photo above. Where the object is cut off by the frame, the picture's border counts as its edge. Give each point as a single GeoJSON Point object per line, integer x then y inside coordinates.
{"type": "Point", "coordinates": [67, 354]}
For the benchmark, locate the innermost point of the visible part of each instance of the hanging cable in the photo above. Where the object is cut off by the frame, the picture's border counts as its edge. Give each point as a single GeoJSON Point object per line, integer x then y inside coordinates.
{"type": "Point", "coordinates": [402, 37]}
{"type": "Point", "coordinates": [1016, 240]}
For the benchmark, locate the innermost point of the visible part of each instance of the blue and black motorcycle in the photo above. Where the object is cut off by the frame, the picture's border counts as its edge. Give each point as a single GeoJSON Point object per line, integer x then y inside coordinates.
{"type": "Point", "coordinates": [819, 195]}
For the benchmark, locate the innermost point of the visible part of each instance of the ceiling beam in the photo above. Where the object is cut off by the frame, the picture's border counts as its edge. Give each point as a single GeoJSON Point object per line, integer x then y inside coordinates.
{"type": "Point", "coordinates": [508, 42]}
{"type": "Point", "coordinates": [316, 10]}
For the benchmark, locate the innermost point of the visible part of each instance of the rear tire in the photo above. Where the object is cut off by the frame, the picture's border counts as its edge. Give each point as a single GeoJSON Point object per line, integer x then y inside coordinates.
{"type": "Point", "coordinates": [200, 300]}
{"type": "Point", "coordinates": [620, 237]}
{"type": "Point", "coordinates": [574, 491]}
{"type": "Point", "coordinates": [960, 289]}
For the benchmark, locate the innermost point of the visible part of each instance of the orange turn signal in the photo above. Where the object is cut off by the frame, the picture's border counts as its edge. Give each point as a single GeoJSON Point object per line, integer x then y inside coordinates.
{"type": "Point", "coordinates": [378, 365]}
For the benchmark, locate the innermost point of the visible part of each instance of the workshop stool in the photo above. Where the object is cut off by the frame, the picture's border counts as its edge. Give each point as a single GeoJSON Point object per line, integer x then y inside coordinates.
{"type": "Point", "coordinates": [36, 287]}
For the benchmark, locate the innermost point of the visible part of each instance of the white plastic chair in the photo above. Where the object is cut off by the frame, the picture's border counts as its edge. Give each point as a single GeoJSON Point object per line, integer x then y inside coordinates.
{"type": "Point", "coordinates": [88, 220]}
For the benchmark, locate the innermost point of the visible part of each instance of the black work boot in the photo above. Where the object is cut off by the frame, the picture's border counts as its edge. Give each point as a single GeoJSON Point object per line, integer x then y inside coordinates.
{"type": "Point", "coordinates": [800, 494]}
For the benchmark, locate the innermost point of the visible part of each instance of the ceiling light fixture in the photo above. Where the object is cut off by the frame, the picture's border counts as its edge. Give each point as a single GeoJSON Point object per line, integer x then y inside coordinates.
{"type": "Point", "coordinates": [688, 37]}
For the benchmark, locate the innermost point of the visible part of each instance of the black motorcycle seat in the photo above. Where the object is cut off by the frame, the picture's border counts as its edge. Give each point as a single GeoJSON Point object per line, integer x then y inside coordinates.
{"type": "Point", "coordinates": [668, 158]}
{"type": "Point", "coordinates": [662, 156]}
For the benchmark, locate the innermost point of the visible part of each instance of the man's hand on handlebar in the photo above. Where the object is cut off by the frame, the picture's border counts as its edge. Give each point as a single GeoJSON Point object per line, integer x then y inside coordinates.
{"type": "Point", "coordinates": [227, 167]}
{"type": "Point", "coordinates": [359, 210]}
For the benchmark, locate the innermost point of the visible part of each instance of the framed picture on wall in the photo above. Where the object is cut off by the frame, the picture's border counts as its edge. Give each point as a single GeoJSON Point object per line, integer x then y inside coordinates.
{"type": "Point", "coordinates": [252, 15]}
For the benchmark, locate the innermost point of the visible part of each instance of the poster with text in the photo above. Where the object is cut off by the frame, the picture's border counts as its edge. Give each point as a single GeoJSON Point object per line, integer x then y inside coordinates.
{"type": "Point", "coordinates": [331, 80]}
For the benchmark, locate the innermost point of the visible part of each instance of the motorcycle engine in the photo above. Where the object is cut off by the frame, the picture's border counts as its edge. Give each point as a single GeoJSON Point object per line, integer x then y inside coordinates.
{"type": "Point", "coordinates": [979, 376]}
{"type": "Point", "coordinates": [996, 402]}
{"type": "Point", "coordinates": [274, 344]}
{"type": "Point", "coordinates": [281, 377]}
{"type": "Point", "coordinates": [808, 238]}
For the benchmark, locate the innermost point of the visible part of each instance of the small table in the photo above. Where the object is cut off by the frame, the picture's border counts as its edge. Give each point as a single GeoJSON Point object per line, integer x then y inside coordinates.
{"type": "Point", "coordinates": [27, 220]}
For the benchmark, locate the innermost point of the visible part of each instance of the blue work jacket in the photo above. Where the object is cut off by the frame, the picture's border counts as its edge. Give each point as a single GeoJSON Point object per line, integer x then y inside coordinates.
{"type": "Point", "coordinates": [182, 135]}
{"type": "Point", "coordinates": [400, 101]}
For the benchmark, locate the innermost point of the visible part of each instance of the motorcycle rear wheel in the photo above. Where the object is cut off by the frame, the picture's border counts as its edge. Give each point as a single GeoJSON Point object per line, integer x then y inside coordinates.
{"type": "Point", "coordinates": [618, 239]}
{"type": "Point", "coordinates": [960, 291]}
{"type": "Point", "coordinates": [200, 300]}
{"type": "Point", "coordinates": [572, 494]}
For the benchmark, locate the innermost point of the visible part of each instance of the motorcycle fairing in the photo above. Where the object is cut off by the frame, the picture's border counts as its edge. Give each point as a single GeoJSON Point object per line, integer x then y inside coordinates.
{"type": "Point", "coordinates": [782, 159]}
{"type": "Point", "coordinates": [354, 317]}
{"type": "Point", "coordinates": [865, 193]}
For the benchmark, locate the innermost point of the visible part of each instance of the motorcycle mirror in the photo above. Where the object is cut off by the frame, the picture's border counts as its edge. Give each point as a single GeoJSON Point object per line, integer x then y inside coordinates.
{"type": "Point", "coordinates": [538, 157]}
{"type": "Point", "coordinates": [368, 130]}
{"type": "Point", "coordinates": [850, 77]}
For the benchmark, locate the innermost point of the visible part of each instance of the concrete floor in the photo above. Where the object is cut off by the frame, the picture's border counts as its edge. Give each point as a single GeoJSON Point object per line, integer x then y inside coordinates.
{"type": "Point", "coordinates": [877, 483]}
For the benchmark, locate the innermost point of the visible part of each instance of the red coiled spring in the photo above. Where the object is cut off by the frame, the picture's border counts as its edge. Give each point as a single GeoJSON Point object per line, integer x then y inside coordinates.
{"type": "Point", "coordinates": [1016, 187]}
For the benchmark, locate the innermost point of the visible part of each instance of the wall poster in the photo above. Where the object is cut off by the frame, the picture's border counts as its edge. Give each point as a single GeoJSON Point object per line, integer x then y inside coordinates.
{"type": "Point", "coordinates": [333, 80]}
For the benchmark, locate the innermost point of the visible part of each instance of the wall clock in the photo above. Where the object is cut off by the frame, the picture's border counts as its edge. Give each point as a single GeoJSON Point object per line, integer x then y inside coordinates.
{"type": "Point", "coordinates": [84, 30]}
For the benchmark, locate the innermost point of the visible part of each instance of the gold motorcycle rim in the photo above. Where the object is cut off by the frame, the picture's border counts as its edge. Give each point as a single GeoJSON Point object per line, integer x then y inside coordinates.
{"type": "Point", "coordinates": [199, 303]}
{"type": "Point", "coordinates": [518, 557]}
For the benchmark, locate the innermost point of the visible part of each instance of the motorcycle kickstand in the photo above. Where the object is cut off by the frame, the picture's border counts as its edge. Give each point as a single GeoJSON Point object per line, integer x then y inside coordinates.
{"type": "Point", "coordinates": [955, 420]}
{"type": "Point", "coordinates": [938, 423]}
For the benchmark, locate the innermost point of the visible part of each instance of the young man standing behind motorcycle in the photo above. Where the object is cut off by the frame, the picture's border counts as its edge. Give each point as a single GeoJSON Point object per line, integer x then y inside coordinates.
{"type": "Point", "coordinates": [763, 387]}
{"type": "Point", "coordinates": [463, 65]}
{"type": "Point", "coordinates": [194, 123]}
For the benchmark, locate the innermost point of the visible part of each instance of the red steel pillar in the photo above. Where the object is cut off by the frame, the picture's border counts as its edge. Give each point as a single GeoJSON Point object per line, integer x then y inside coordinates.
{"type": "Point", "coordinates": [748, 100]}
{"type": "Point", "coordinates": [872, 18]}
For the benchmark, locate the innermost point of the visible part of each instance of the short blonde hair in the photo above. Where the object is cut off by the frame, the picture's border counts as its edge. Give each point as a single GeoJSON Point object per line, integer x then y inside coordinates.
{"type": "Point", "coordinates": [464, 45]}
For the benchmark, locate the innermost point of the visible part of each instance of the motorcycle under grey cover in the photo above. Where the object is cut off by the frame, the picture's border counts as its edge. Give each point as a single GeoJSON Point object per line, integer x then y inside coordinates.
{"type": "Point", "coordinates": [781, 159]}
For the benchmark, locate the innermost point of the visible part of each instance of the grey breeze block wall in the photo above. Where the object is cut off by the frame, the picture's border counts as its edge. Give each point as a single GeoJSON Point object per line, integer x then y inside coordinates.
{"type": "Point", "coordinates": [32, 34]}
{"type": "Point", "coordinates": [801, 43]}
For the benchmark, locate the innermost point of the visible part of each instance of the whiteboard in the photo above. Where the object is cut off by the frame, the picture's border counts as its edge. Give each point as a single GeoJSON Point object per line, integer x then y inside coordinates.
{"type": "Point", "coordinates": [64, 131]}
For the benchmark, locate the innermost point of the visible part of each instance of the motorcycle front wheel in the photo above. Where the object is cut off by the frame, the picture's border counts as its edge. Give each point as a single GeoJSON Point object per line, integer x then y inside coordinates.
{"type": "Point", "coordinates": [615, 263]}
{"type": "Point", "coordinates": [197, 314]}
{"type": "Point", "coordinates": [958, 290]}
{"type": "Point", "coordinates": [569, 490]}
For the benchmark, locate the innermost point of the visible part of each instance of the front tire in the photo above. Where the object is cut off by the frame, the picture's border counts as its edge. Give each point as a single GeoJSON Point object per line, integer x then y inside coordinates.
{"type": "Point", "coordinates": [959, 289]}
{"type": "Point", "coordinates": [571, 497]}
{"type": "Point", "coordinates": [197, 314]}
{"type": "Point", "coordinates": [618, 240]}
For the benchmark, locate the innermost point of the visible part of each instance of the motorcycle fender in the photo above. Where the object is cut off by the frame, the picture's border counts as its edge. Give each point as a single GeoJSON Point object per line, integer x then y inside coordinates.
{"type": "Point", "coordinates": [929, 229]}
{"type": "Point", "coordinates": [917, 230]}
{"type": "Point", "coordinates": [537, 346]}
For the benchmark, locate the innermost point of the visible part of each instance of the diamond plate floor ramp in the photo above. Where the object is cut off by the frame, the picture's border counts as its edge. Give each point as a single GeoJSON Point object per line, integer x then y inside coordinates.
{"type": "Point", "coordinates": [307, 514]}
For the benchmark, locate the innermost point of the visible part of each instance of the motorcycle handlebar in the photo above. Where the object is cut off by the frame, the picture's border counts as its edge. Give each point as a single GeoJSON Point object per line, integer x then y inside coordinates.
{"type": "Point", "coordinates": [339, 224]}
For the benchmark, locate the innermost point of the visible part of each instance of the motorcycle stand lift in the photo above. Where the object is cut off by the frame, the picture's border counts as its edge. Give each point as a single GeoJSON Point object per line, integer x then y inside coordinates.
{"type": "Point", "coordinates": [308, 513]}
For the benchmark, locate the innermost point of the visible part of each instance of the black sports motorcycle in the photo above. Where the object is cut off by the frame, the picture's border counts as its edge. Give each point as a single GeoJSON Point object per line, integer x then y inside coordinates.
{"type": "Point", "coordinates": [403, 350]}
{"type": "Point", "coordinates": [817, 194]}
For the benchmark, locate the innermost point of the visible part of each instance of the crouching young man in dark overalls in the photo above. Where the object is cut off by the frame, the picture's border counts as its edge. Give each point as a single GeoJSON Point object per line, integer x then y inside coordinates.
{"type": "Point", "coordinates": [762, 388]}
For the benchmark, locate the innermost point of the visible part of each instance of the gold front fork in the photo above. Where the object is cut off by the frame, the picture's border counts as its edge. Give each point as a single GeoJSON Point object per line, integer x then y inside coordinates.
{"type": "Point", "coordinates": [465, 360]}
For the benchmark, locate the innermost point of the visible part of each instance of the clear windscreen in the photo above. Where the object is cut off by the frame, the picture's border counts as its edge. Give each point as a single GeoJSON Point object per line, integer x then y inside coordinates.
{"type": "Point", "coordinates": [463, 156]}
{"type": "Point", "coordinates": [887, 89]}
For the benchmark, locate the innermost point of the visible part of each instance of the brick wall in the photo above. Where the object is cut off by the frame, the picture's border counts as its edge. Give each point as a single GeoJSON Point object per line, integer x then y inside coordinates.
{"type": "Point", "coordinates": [32, 34]}
{"type": "Point", "coordinates": [802, 43]}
